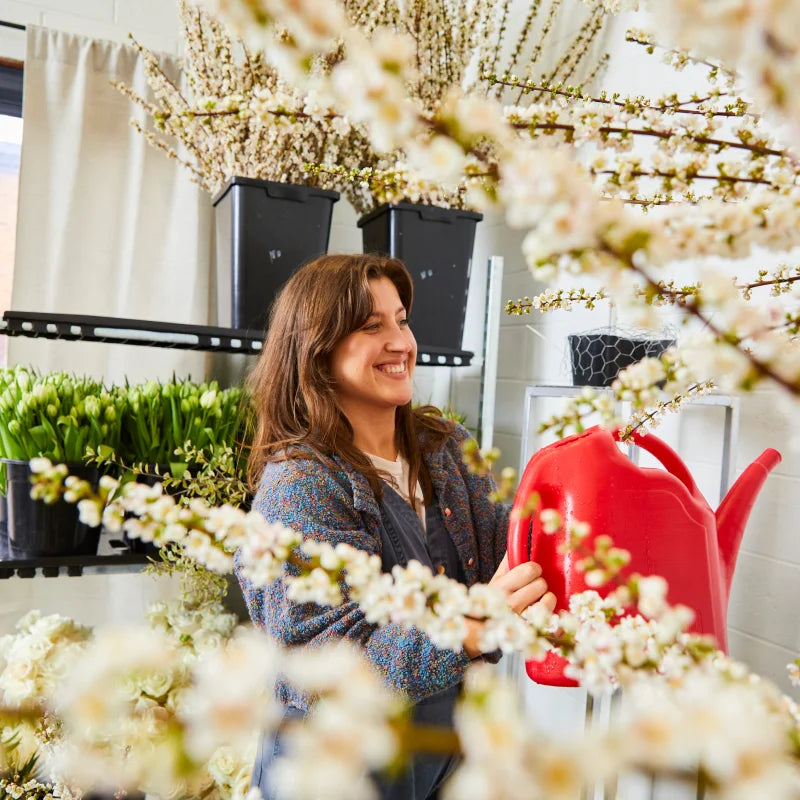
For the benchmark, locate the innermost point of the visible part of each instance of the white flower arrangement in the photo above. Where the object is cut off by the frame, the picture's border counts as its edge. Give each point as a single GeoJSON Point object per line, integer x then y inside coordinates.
{"type": "Point", "coordinates": [51, 669]}
{"type": "Point", "coordinates": [239, 114]}
{"type": "Point", "coordinates": [571, 225]}
{"type": "Point", "coordinates": [690, 713]}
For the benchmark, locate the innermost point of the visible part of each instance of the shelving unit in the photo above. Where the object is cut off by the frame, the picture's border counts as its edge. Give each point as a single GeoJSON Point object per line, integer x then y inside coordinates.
{"type": "Point", "coordinates": [112, 556]}
{"type": "Point", "coordinates": [150, 333]}
{"type": "Point", "coordinates": [147, 333]}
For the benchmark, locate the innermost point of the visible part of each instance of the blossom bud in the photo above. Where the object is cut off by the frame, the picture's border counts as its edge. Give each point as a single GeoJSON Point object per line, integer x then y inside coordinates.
{"type": "Point", "coordinates": [550, 519]}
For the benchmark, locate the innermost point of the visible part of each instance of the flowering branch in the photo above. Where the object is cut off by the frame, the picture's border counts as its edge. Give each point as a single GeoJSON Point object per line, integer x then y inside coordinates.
{"type": "Point", "coordinates": [780, 282]}
{"type": "Point", "coordinates": [227, 690]}
{"type": "Point", "coordinates": [730, 337]}
{"type": "Point", "coordinates": [630, 104]}
{"type": "Point", "coordinates": [410, 596]}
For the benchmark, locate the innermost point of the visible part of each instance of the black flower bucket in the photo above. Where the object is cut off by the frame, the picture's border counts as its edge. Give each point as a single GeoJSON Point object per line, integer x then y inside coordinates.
{"type": "Point", "coordinates": [265, 231]}
{"type": "Point", "coordinates": [436, 245]}
{"type": "Point", "coordinates": [36, 528]}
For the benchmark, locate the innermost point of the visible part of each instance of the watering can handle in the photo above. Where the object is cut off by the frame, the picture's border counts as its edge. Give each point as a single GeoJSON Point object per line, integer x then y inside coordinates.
{"type": "Point", "coordinates": [666, 455]}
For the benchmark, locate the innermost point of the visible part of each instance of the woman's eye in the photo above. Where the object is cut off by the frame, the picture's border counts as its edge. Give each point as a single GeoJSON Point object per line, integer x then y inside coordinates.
{"type": "Point", "coordinates": [403, 322]}
{"type": "Point", "coordinates": [372, 326]}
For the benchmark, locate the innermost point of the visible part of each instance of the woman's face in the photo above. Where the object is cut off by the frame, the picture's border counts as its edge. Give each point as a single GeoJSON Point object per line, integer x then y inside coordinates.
{"type": "Point", "coordinates": [373, 366]}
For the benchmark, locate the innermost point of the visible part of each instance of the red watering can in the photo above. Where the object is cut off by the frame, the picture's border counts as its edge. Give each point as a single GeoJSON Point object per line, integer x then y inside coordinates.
{"type": "Point", "coordinates": [659, 516]}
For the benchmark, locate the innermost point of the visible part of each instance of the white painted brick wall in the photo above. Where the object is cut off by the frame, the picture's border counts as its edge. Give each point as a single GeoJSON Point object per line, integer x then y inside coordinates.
{"type": "Point", "coordinates": [153, 22]}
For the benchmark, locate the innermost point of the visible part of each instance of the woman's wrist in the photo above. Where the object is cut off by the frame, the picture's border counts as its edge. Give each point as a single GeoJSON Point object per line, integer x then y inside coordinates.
{"type": "Point", "coordinates": [472, 640]}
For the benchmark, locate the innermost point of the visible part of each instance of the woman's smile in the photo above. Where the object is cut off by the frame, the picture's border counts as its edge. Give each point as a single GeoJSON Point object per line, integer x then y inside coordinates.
{"type": "Point", "coordinates": [393, 369]}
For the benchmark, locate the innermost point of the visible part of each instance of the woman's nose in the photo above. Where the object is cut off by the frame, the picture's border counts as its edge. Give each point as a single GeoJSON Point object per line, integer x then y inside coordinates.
{"type": "Point", "coordinates": [400, 339]}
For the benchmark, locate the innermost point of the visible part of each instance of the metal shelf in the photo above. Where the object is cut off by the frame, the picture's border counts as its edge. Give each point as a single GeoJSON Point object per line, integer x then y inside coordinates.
{"type": "Point", "coordinates": [151, 333]}
{"type": "Point", "coordinates": [113, 555]}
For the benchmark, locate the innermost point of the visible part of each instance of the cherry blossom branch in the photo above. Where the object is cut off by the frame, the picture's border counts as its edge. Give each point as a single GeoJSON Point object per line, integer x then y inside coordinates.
{"type": "Point", "coordinates": [692, 306]}
{"type": "Point", "coordinates": [628, 104]}
{"type": "Point", "coordinates": [722, 144]}
{"type": "Point", "coordinates": [668, 292]}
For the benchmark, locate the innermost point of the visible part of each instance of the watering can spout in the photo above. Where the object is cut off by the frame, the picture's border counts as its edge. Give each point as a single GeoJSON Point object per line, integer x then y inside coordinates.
{"type": "Point", "coordinates": [735, 508]}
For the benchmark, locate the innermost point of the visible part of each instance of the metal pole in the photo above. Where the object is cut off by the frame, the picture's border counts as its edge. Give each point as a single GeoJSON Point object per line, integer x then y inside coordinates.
{"type": "Point", "coordinates": [491, 351]}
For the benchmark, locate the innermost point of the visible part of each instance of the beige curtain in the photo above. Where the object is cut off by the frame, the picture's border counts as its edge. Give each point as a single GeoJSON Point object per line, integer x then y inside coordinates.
{"type": "Point", "coordinates": [107, 225]}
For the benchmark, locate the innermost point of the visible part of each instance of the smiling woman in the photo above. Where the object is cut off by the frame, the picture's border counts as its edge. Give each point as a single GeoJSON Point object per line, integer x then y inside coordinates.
{"type": "Point", "coordinates": [340, 455]}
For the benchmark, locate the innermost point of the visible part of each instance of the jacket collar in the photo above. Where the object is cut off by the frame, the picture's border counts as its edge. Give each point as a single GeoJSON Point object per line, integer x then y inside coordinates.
{"type": "Point", "coordinates": [364, 500]}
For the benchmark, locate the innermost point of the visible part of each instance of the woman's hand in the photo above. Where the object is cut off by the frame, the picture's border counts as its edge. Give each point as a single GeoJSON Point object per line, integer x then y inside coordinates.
{"type": "Point", "coordinates": [523, 586]}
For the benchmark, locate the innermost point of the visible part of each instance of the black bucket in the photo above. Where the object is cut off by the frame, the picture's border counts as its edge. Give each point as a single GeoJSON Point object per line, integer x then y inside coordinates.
{"type": "Point", "coordinates": [597, 358]}
{"type": "Point", "coordinates": [36, 528]}
{"type": "Point", "coordinates": [152, 474]}
{"type": "Point", "coordinates": [265, 230]}
{"type": "Point", "coordinates": [436, 245]}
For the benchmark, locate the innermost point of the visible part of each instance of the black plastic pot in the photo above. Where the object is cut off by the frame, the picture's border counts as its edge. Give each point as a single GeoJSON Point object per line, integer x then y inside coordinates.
{"type": "Point", "coordinates": [153, 474]}
{"type": "Point", "coordinates": [436, 246]}
{"type": "Point", "coordinates": [597, 357]}
{"type": "Point", "coordinates": [36, 528]}
{"type": "Point", "coordinates": [264, 232]}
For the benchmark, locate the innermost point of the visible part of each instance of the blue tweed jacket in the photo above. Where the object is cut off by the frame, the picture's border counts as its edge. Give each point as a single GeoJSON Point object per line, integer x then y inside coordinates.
{"type": "Point", "coordinates": [337, 505]}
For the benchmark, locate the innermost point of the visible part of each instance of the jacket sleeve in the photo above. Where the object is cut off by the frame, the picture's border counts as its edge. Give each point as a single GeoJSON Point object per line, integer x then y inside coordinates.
{"type": "Point", "coordinates": [490, 518]}
{"type": "Point", "coordinates": [318, 503]}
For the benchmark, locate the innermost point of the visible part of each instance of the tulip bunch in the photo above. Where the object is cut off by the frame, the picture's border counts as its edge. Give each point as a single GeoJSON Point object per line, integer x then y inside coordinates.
{"type": "Point", "coordinates": [56, 415]}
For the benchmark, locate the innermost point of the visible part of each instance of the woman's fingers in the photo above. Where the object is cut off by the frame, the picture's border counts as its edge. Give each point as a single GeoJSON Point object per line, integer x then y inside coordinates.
{"type": "Point", "coordinates": [523, 585]}
{"type": "Point", "coordinates": [548, 601]}
{"type": "Point", "coordinates": [527, 595]}
{"type": "Point", "coordinates": [516, 578]}
{"type": "Point", "coordinates": [502, 569]}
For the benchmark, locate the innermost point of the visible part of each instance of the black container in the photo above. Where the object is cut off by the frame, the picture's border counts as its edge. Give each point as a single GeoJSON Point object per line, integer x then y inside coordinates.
{"type": "Point", "coordinates": [153, 474]}
{"type": "Point", "coordinates": [264, 232]}
{"type": "Point", "coordinates": [436, 246]}
{"type": "Point", "coordinates": [36, 528]}
{"type": "Point", "coordinates": [597, 357]}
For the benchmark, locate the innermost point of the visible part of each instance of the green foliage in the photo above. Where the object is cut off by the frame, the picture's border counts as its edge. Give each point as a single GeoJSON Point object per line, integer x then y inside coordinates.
{"type": "Point", "coordinates": [55, 415]}
{"type": "Point", "coordinates": [161, 417]}
{"type": "Point", "coordinates": [18, 778]}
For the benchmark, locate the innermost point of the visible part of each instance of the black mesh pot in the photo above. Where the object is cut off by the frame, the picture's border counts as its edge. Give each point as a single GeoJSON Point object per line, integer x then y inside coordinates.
{"type": "Point", "coordinates": [264, 231]}
{"type": "Point", "coordinates": [436, 246]}
{"type": "Point", "coordinates": [36, 528]}
{"type": "Point", "coordinates": [597, 357]}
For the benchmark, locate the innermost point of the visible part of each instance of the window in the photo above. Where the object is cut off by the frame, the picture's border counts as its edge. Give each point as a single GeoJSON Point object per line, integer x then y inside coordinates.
{"type": "Point", "coordinates": [10, 144]}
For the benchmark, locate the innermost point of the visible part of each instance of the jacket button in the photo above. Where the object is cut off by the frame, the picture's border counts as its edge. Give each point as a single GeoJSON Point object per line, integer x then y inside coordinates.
{"type": "Point", "coordinates": [470, 562]}
{"type": "Point", "coordinates": [440, 569]}
{"type": "Point", "coordinates": [447, 512]}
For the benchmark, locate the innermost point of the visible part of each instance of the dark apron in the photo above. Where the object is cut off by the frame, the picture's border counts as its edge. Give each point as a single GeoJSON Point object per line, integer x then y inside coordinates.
{"type": "Point", "coordinates": [403, 539]}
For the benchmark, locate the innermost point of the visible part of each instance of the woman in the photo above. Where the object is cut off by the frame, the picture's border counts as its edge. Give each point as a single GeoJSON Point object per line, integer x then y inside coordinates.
{"type": "Point", "coordinates": [340, 455]}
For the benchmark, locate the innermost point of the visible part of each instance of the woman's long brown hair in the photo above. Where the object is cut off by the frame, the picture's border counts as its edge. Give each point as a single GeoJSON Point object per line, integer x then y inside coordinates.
{"type": "Point", "coordinates": [292, 391]}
